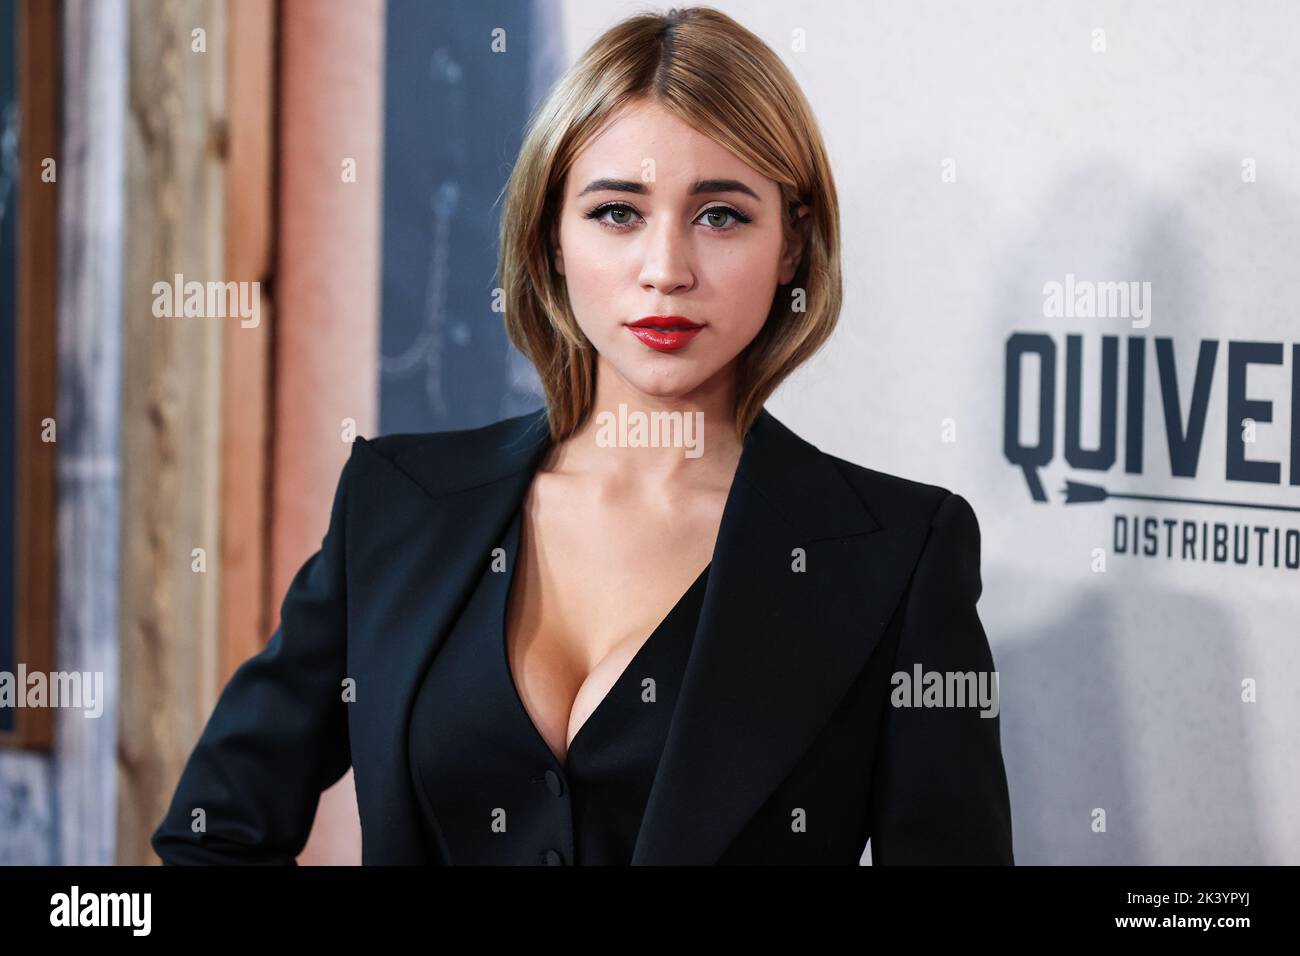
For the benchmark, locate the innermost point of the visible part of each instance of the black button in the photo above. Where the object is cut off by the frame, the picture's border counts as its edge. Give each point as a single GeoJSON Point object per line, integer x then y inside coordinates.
{"type": "Point", "coordinates": [553, 858]}
{"type": "Point", "coordinates": [554, 782]}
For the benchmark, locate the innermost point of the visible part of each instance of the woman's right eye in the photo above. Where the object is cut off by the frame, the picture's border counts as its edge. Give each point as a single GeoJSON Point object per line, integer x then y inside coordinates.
{"type": "Point", "coordinates": [616, 209]}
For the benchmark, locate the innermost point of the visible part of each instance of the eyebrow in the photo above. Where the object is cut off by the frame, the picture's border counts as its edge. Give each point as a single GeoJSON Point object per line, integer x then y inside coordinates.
{"type": "Point", "coordinates": [699, 186]}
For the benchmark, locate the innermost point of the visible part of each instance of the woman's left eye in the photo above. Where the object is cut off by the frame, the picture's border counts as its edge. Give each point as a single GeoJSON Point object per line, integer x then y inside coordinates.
{"type": "Point", "coordinates": [725, 211]}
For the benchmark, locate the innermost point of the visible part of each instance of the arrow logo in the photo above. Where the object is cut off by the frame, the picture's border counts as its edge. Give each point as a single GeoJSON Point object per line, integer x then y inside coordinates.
{"type": "Point", "coordinates": [1078, 492]}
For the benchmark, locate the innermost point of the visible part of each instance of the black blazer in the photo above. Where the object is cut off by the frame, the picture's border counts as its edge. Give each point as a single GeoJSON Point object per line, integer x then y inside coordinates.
{"type": "Point", "coordinates": [784, 710]}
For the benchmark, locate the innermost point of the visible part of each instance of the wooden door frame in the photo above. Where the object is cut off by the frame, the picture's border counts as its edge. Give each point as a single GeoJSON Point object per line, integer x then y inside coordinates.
{"type": "Point", "coordinates": [36, 361]}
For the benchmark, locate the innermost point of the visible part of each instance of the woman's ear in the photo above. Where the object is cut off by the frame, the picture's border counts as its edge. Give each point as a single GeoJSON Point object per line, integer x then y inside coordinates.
{"type": "Point", "coordinates": [796, 239]}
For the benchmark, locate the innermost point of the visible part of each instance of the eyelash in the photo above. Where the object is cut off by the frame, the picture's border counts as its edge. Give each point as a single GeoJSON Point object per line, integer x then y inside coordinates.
{"type": "Point", "coordinates": [599, 211]}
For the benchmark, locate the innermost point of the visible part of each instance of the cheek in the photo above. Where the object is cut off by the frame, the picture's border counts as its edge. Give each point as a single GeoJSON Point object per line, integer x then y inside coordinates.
{"type": "Point", "coordinates": [592, 269]}
{"type": "Point", "coordinates": [744, 276]}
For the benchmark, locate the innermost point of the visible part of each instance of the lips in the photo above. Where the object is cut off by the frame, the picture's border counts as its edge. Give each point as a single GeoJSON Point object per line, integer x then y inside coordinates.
{"type": "Point", "coordinates": [665, 333]}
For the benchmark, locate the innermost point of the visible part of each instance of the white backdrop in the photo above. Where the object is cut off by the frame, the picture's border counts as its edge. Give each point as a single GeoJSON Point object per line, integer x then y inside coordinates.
{"type": "Point", "coordinates": [1122, 155]}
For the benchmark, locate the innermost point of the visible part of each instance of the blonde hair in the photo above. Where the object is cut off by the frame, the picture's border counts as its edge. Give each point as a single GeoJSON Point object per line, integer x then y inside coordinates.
{"type": "Point", "coordinates": [725, 82]}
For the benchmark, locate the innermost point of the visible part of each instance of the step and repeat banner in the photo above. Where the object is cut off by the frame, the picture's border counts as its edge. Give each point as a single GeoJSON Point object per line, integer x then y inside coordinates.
{"type": "Point", "coordinates": [1072, 296]}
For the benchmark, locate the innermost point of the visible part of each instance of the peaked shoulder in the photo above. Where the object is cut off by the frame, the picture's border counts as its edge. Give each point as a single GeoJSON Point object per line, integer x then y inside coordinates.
{"type": "Point", "coordinates": [942, 518]}
{"type": "Point", "coordinates": [443, 462]}
{"type": "Point", "coordinates": [895, 499]}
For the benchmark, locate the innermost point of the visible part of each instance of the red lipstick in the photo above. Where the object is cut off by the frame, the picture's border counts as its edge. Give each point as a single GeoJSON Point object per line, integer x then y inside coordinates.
{"type": "Point", "coordinates": [665, 333]}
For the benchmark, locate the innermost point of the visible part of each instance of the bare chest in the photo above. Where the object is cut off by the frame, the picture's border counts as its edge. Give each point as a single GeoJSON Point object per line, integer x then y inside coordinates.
{"type": "Point", "coordinates": [591, 585]}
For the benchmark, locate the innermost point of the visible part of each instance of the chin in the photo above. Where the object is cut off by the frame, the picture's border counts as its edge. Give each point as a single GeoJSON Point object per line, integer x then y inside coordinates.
{"type": "Point", "coordinates": [677, 383]}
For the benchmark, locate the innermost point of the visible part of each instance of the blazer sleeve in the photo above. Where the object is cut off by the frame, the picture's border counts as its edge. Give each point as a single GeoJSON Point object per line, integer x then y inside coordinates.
{"type": "Point", "coordinates": [279, 733]}
{"type": "Point", "coordinates": [939, 793]}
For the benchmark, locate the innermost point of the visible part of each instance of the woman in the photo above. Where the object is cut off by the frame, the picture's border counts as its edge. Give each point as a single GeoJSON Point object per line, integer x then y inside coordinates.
{"type": "Point", "coordinates": [570, 638]}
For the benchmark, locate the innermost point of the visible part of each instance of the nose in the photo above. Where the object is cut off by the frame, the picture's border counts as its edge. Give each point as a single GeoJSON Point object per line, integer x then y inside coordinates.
{"type": "Point", "coordinates": [668, 264]}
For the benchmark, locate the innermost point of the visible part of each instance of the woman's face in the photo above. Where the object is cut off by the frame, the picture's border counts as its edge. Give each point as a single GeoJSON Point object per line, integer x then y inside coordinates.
{"type": "Point", "coordinates": [658, 220]}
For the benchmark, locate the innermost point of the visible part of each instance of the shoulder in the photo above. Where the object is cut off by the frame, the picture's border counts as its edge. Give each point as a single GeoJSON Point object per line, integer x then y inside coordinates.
{"type": "Point", "coordinates": [457, 458]}
{"type": "Point", "coordinates": [398, 446]}
{"type": "Point", "coordinates": [939, 520]}
{"type": "Point", "coordinates": [895, 499]}
{"type": "Point", "coordinates": [814, 481]}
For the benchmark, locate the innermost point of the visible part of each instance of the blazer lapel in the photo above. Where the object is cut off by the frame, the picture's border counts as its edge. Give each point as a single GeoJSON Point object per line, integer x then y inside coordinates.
{"type": "Point", "coordinates": [774, 653]}
{"type": "Point", "coordinates": [775, 648]}
{"type": "Point", "coordinates": [444, 506]}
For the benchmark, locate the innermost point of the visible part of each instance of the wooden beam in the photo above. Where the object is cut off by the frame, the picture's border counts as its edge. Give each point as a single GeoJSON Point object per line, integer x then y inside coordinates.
{"type": "Point", "coordinates": [36, 346]}
{"type": "Point", "coordinates": [327, 337]}
{"type": "Point", "coordinates": [171, 405]}
{"type": "Point", "coordinates": [246, 411]}
{"type": "Point", "coordinates": [92, 65]}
